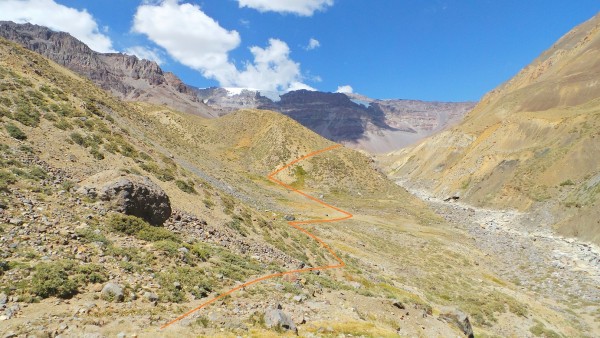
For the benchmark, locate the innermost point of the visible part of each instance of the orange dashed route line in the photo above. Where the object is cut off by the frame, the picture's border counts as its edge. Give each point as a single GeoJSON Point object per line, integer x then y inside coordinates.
{"type": "Point", "coordinates": [294, 224]}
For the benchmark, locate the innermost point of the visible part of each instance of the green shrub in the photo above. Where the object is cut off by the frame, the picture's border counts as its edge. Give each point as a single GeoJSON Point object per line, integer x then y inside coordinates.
{"type": "Point", "coordinates": [63, 109]}
{"type": "Point", "coordinates": [129, 225]}
{"type": "Point", "coordinates": [201, 251]}
{"type": "Point", "coordinates": [67, 185]}
{"type": "Point", "coordinates": [6, 179]}
{"type": "Point", "coordinates": [91, 273]}
{"type": "Point", "coordinates": [38, 173]}
{"type": "Point", "coordinates": [187, 187]}
{"type": "Point", "coordinates": [153, 234]}
{"type": "Point", "coordinates": [15, 132]}
{"type": "Point", "coordinates": [567, 182]}
{"type": "Point", "coordinates": [128, 150]}
{"type": "Point", "coordinates": [5, 112]}
{"type": "Point", "coordinates": [539, 330]}
{"type": "Point", "coordinates": [77, 138]}
{"type": "Point", "coordinates": [30, 118]}
{"type": "Point", "coordinates": [63, 124]}
{"type": "Point", "coordinates": [192, 280]}
{"type": "Point", "coordinates": [52, 279]}
{"type": "Point", "coordinates": [96, 153]}
{"type": "Point", "coordinates": [26, 149]}
{"type": "Point", "coordinates": [167, 246]}
{"type": "Point", "coordinates": [137, 227]}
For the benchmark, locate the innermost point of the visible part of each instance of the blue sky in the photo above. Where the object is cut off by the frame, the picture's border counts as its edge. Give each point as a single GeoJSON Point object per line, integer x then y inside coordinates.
{"type": "Point", "coordinates": [445, 50]}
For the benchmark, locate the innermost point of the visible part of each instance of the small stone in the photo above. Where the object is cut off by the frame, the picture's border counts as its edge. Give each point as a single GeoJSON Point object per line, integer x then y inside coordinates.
{"type": "Point", "coordinates": [3, 298]}
{"type": "Point", "coordinates": [299, 298]}
{"type": "Point", "coordinates": [399, 305]}
{"type": "Point", "coordinates": [121, 335]}
{"type": "Point", "coordinates": [177, 285]}
{"type": "Point", "coordinates": [289, 218]}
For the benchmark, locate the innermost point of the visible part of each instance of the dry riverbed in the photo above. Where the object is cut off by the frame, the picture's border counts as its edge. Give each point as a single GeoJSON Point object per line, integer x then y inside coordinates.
{"type": "Point", "coordinates": [529, 255]}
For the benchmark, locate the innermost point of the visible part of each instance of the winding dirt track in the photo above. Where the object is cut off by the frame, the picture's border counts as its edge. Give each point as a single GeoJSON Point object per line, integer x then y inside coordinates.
{"type": "Point", "coordinates": [297, 226]}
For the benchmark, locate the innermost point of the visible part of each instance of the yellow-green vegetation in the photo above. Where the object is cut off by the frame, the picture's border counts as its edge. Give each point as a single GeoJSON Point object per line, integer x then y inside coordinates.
{"type": "Point", "coordinates": [63, 278]}
{"type": "Point", "coordinates": [15, 132]}
{"type": "Point", "coordinates": [137, 227]}
{"type": "Point", "coordinates": [540, 330]}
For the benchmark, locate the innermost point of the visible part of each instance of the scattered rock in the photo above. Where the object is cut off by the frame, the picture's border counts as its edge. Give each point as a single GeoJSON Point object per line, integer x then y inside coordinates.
{"type": "Point", "coordinates": [16, 221]}
{"type": "Point", "coordinates": [130, 194]}
{"type": "Point", "coordinates": [3, 298]}
{"type": "Point", "coordinates": [112, 291]}
{"type": "Point", "coordinates": [277, 318]}
{"type": "Point", "coordinates": [399, 305]}
{"type": "Point", "coordinates": [460, 320]}
{"type": "Point", "coordinates": [12, 311]}
{"type": "Point", "coordinates": [299, 298]}
{"type": "Point", "coordinates": [289, 218]}
{"type": "Point", "coordinates": [151, 296]}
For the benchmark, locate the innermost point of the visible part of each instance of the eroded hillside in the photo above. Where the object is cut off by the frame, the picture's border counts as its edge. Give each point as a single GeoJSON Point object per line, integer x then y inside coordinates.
{"type": "Point", "coordinates": [531, 144]}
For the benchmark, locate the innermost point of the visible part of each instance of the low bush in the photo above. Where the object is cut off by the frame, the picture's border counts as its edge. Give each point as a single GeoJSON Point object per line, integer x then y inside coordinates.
{"type": "Point", "coordinates": [129, 225]}
{"type": "Point", "coordinates": [137, 227]}
{"type": "Point", "coordinates": [52, 279]}
{"type": "Point", "coordinates": [187, 187]}
{"type": "Point", "coordinates": [6, 179]}
{"type": "Point", "coordinates": [15, 132]}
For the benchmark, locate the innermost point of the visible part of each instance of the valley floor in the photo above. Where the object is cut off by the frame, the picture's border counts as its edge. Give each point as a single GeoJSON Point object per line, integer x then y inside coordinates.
{"type": "Point", "coordinates": [562, 272]}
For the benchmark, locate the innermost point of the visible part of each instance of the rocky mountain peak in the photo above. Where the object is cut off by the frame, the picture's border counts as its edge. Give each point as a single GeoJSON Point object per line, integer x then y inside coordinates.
{"type": "Point", "coordinates": [125, 76]}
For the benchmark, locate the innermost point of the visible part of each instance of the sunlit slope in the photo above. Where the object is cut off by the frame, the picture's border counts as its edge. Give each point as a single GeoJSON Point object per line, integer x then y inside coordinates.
{"type": "Point", "coordinates": [534, 140]}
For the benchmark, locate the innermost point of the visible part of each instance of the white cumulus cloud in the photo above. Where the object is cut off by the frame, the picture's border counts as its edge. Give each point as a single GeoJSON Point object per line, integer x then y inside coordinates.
{"type": "Point", "coordinates": [189, 36]}
{"type": "Point", "coordinates": [313, 44]}
{"type": "Point", "coordinates": [57, 17]}
{"type": "Point", "coordinates": [145, 53]}
{"type": "Point", "coordinates": [345, 89]}
{"type": "Point", "coordinates": [299, 7]}
{"type": "Point", "coordinates": [198, 41]}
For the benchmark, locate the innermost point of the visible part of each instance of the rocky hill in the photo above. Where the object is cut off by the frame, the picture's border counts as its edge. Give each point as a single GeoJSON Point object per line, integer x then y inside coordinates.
{"type": "Point", "coordinates": [117, 217]}
{"type": "Point", "coordinates": [359, 122]}
{"type": "Point", "coordinates": [124, 76]}
{"type": "Point", "coordinates": [530, 144]}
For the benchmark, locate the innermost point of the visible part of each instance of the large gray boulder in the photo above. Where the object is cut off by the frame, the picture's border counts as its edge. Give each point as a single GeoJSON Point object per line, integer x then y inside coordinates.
{"type": "Point", "coordinates": [112, 291]}
{"type": "Point", "coordinates": [129, 194]}
{"type": "Point", "coordinates": [277, 318]}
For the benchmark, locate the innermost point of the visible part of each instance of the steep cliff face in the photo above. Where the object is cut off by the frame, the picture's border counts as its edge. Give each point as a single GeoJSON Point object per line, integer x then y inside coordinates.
{"type": "Point", "coordinates": [531, 144]}
{"type": "Point", "coordinates": [125, 76]}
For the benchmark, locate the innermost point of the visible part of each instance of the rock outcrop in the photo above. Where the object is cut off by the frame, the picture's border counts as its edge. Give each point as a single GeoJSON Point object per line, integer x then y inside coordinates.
{"type": "Point", "coordinates": [276, 318]}
{"type": "Point", "coordinates": [129, 194]}
{"type": "Point", "coordinates": [458, 319]}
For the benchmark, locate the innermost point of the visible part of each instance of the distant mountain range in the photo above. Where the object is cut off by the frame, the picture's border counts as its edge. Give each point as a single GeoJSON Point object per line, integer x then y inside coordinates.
{"type": "Point", "coordinates": [360, 122]}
